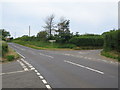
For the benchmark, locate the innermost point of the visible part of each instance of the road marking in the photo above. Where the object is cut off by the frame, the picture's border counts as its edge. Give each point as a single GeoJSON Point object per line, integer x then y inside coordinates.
{"type": "Point", "coordinates": [44, 81]}
{"type": "Point", "coordinates": [32, 68]}
{"type": "Point", "coordinates": [46, 55]}
{"type": "Point", "coordinates": [13, 72]}
{"type": "Point", "coordinates": [26, 69]}
{"type": "Point", "coordinates": [93, 59]}
{"type": "Point", "coordinates": [20, 55]}
{"type": "Point", "coordinates": [41, 77]}
{"type": "Point", "coordinates": [84, 67]}
{"type": "Point", "coordinates": [48, 87]}
{"type": "Point", "coordinates": [38, 73]}
{"type": "Point", "coordinates": [35, 70]}
{"type": "Point", "coordinates": [23, 65]}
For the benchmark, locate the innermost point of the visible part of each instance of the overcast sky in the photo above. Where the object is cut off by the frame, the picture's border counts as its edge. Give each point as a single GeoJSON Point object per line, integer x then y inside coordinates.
{"type": "Point", "coordinates": [85, 16]}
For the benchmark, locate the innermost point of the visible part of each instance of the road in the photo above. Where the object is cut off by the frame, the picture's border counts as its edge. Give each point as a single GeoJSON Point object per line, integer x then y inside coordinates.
{"type": "Point", "coordinates": [71, 69]}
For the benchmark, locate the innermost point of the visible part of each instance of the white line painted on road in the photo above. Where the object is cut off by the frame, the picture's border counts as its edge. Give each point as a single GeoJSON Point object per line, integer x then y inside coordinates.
{"type": "Point", "coordinates": [13, 72]}
{"type": "Point", "coordinates": [26, 69]}
{"type": "Point", "coordinates": [38, 74]}
{"type": "Point", "coordinates": [32, 68]}
{"type": "Point", "coordinates": [23, 65]}
{"type": "Point", "coordinates": [93, 59]}
{"type": "Point", "coordinates": [84, 67]}
{"type": "Point", "coordinates": [36, 71]}
{"type": "Point", "coordinates": [48, 87]}
{"type": "Point", "coordinates": [21, 55]}
{"type": "Point", "coordinates": [41, 77]}
{"type": "Point", "coordinates": [44, 81]}
{"type": "Point", "coordinates": [46, 55]}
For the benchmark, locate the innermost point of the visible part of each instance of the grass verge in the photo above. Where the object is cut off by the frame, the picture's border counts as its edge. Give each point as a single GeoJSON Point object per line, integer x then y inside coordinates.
{"type": "Point", "coordinates": [11, 55]}
{"type": "Point", "coordinates": [52, 46]}
{"type": "Point", "coordinates": [111, 54]}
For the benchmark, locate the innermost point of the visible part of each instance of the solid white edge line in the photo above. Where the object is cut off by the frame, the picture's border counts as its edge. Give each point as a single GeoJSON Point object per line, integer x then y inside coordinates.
{"type": "Point", "coordinates": [84, 67]}
{"type": "Point", "coordinates": [20, 54]}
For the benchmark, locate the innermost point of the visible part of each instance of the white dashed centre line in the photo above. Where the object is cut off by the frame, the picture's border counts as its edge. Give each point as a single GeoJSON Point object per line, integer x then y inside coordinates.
{"type": "Point", "coordinates": [84, 67]}
{"type": "Point", "coordinates": [46, 55]}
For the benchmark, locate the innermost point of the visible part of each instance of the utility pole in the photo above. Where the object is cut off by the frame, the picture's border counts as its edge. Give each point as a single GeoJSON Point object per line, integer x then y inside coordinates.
{"type": "Point", "coordinates": [29, 31]}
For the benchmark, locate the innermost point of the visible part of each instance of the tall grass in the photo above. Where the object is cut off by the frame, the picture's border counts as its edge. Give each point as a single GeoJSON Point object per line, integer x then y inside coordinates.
{"type": "Point", "coordinates": [44, 45]}
{"type": "Point", "coordinates": [3, 48]}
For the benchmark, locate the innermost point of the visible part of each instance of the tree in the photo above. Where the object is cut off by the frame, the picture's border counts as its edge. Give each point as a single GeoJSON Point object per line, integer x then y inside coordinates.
{"type": "Point", "coordinates": [50, 25]}
{"type": "Point", "coordinates": [42, 35]}
{"type": "Point", "coordinates": [63, 30]}
{"type": "Point", "coordinates": [4, 34]}
{"type": "Point", "coordinates": [76, 34]}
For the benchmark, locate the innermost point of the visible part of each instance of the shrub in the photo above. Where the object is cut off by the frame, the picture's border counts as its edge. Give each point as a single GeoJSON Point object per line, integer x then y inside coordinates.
{"type": "Point", "coordinates": [87, 41]}
{"type": "Point", "coordinates": [4, 48]}
{"type": "Point", "coordinates": [112, 40]}
{"type": "Point", "coordinates": [10, 57]}
{"type": "Point", "coordinates": [67, 46]}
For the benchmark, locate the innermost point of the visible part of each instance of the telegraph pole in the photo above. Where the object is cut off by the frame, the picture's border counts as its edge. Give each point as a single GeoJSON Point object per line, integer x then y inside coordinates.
{"type": "Point", "coordinates": [29, 31]}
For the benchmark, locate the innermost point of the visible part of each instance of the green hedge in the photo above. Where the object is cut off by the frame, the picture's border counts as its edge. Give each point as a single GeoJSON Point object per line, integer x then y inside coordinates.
{"type": "Point", "coordinates": [3, 47]}
{"type": "Point", "coordinates": [87, 41]}
{"type": "Point", "coordinates": [112, 40]}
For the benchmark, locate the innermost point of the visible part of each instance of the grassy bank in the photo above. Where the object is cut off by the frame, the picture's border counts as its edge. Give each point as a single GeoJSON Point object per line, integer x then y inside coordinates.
{"type": "Point", "coordinates": [7, 54]}
{"type": "Point", "coordinates": [52, 46]}
{"type": "Point", "coordinates": [10, 55]}
{"type": "Point", "coordinates": [111, 54]}
{"type": "Point", "coordinates": [3, 48]}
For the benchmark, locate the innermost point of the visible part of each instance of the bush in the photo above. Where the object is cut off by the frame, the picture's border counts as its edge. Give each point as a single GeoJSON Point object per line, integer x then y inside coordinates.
{"type": "Point", "coordinates": [67, 46]}
{"type": "Point", "coordinates": [87, 41]}
{"type": "Point", "coordinates": [112, 40]}
{"type": "Point", "coordinates": [4, 48]}
{"type": "Point", "coordinates": [10, 57]}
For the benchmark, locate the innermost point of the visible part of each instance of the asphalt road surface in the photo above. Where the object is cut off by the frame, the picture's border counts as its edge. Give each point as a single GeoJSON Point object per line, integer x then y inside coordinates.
{"type": "Point", "coordinates": [70, 69]}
